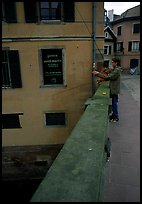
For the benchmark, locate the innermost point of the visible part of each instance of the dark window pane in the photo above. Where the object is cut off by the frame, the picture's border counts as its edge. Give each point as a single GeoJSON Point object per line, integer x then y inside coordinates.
{"type": "Point", "coordinates": [30, 11]}
{"type": "Point", "coordinates": [119, 30]}
{"type": "Point", "coordinates": [15, 69]}
{"type": "Point", "coordinates": [69, 12]}
{"type": "Point", "coordinates": [10, 12]}
{"type": "Point", "coordinates": [10, 121]}
{"type": "Point", "coordinates": [50, 10]}
{"type": "Point", "coordinates": [55, 118]}
{"type": "Point", "coordinates": [44, 4]}
{"type": "Point", "coordinates": [136, 28]}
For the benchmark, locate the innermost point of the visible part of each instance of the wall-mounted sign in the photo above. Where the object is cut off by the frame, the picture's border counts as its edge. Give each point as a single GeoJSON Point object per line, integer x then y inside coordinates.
{"type": "Point", "coordinates": [52, 66]}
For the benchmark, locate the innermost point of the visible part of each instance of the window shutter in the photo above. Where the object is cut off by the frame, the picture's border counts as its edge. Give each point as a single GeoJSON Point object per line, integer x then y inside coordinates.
{"type": "Point", "coordinates": [30, 12]}
{"type": "Point", "coordinates": [10, 12]}
{"type": "Point", "coordinates": [69, 13]}
{"type": "Point", "coordinates": [15, 69]}
{"type": "Point", "coordinates": [129, 46]}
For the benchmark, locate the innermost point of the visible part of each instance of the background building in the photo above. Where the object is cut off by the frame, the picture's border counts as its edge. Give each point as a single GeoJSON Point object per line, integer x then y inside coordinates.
{"type": "Point", "coordinates": [127, 30]}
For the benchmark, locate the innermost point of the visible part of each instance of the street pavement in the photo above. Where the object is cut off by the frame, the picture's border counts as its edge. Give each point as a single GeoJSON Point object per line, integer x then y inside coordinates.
{"type": "Point", "coordinates": [132, 82]}
{"type": "Point", "coordinates": [122, 178]}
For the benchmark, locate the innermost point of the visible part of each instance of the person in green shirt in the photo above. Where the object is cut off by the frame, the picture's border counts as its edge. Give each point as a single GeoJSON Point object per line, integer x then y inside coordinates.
{"type": "Point", "coordinates": [114, 78]}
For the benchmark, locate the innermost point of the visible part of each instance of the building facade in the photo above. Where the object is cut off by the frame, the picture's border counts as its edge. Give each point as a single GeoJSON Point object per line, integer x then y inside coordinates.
{"type": "Point", "coordinates": [47, 53]}
{"type": "Point", "coordinates": [127, 31]}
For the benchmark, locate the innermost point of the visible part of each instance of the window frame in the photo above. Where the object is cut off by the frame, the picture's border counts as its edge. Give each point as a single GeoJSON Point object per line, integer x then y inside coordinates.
{"type": "Point", "coordinates": [106, 35]}
{"type": "Point", "coordinates": [135, 44]}
{"type": "Point", "coordinates": [13, 116]}
{"type": "Point", "coordinates": [42, 85]}
{"type": "Point", "coordinates": [134, 28]}
{"type": "Point", "coordinates": [50, 12]}
{"type": "Point", "coordinates": [109, 47]}
{"type": "Point", "coordinates": [9, 16]}
{"type": "Point", "coordinates": [14, 69]}
{"type": "Point", "coordinates": [55, 125]}
{"type": "Point", "coordinates": [119, 30]}
{"type": "Point", "coordinates": [7, 70]}
{"type": "Point", "coordinates": [67, 13]}
{"type": "Point", "coordinates": [121, 47]}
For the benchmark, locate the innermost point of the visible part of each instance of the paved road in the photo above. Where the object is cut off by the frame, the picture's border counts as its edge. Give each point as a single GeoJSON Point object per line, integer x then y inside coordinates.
{"type": "Point", "coordinates": [122, 180]}
{"type": "Point", "coordinates": [132, 82]}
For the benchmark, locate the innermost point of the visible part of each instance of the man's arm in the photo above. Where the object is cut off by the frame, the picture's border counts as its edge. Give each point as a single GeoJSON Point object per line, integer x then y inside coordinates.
{"type": "Point", "coordinates": [111, 76]}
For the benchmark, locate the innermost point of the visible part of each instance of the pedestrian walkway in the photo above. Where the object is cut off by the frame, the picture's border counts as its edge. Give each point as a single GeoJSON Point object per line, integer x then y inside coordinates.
{"type": "Point", "coordinates": [122, 179]}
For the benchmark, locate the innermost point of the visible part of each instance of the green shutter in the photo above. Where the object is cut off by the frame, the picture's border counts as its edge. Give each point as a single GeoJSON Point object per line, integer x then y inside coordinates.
{"type": "Point", "coordinates": [30, 12]}
{"type": "Point", "coordinates": [10, 12]}
{"type": "Point", "coordinates": [15, 69]}
{"type": "Point", "coordinates": [69, 14]}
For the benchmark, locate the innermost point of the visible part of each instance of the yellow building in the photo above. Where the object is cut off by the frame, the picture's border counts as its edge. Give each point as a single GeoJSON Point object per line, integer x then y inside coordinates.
{"type": "Point", "coordinates": [47, 53]}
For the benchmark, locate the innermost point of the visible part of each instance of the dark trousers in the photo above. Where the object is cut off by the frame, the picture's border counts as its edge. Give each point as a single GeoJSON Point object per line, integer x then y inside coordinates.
{"type": "Point", "coordinates": [115, 105]}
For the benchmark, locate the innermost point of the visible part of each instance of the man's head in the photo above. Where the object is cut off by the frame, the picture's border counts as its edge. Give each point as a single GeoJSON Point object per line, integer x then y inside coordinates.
{"type": "Point", "coordinates": [115, 62]}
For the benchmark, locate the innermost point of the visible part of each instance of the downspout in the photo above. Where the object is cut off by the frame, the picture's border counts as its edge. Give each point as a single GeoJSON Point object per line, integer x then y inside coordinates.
{"type": "Point", "coordinates": [93, 45]}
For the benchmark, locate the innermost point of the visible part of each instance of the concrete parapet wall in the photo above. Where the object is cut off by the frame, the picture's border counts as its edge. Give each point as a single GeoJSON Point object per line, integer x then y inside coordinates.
{"type": "Point", "coordinates": [76, 175]}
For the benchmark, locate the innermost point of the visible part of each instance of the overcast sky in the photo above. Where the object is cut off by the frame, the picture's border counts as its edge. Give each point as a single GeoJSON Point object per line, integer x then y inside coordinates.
{"type": "Point", "coordinates": [119, 7]}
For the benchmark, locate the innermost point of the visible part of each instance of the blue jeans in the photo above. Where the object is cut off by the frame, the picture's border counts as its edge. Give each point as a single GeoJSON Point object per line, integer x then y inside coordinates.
{"type": "Point", "coordinates": [115, 106]}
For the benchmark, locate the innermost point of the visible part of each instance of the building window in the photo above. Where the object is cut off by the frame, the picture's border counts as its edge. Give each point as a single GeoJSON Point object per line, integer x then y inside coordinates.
{"type": "Point", "coordinates": [119, 47]}
{"type": "Point", "coordinates": [106, 35]}
{"type": "Point", "coordinates": [11, 121]}
{"type": "Point", "coordinates": [52, 67]}
{"type": "Point", "coordinates": [134, 46]}
{"type": "Point", "coordinates": [136, 28]}
{"type": "Point", "coordinates": [55, 119]}
{"type": "Point", "coordinates": [107, 50]}
{"type": "Point", "coordinates": [9, 12]}
{"type": "Point", "coordinates": [11, 76]}
{"type": "Point", "coordinates": [119, 30]}
{"type": "Point", "coordinates": [49, 11]}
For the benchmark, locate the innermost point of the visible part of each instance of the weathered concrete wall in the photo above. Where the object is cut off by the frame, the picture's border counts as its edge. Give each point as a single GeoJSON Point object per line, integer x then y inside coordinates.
{"type": "Point", "coordinates": [77, 173]}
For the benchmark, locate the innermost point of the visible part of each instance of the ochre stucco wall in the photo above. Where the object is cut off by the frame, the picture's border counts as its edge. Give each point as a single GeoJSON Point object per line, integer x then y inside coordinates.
{"type": "Point", "coordinates": [33, 100]}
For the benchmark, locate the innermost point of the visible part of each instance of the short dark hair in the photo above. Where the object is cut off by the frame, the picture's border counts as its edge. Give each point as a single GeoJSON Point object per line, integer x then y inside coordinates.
{"type": "Point", "coordinates": [105, 64]}
{"type": "Point", "coordinates": [115, 59]}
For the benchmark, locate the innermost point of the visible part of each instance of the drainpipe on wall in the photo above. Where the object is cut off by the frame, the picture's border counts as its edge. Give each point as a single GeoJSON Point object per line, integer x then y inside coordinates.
{"type": "Point", "coordinates": [93, 42]}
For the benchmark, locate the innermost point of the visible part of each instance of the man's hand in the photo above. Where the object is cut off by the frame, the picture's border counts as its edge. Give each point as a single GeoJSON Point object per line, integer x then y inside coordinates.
{"type": "Point", "coordinates": [95, 72]}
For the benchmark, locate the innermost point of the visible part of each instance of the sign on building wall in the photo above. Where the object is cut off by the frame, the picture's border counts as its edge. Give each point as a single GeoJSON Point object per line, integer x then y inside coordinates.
{"type": "Point", "coordinates": [52, 66]}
